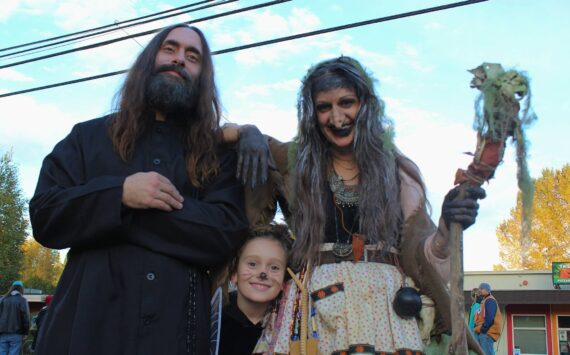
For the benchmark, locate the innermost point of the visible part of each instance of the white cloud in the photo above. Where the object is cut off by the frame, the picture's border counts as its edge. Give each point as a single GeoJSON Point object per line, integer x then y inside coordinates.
{"type": "Point", "coordinates": [13, 75]}
{"type": "Point", "coordinates": [407, 49]}
{"type": "Point", "coordinates": [223, 40]}
{"type": "Point", "coordinates": [303, 20]}
{"type": "Point", "coordinates": [412, 57]}
{"type": "Point", "coordinates": [434, 26]}
{"type": "Point", "coordinates": [421, 67]}
{"type": "Point", "coordinates": [271, 119]}
{"type": "Point", "coordinates": [267, 54]}
{"type": "Point", "coordinates": [79, 14]}
{"type": "Point", "coordinates": [370, 58]}
{"type": "Point", "coordinates": [268, 24]}
{"type": "Point", "coordinates": [267, 89]}
{"type": "Point", "coordinates": [8, 8]}
{"type": "Point", "coordinates": [336, 8]}
{"type": "Point", "coordinates": [31, 129]}
{"type": "Point", "coordinates": [50, 123]}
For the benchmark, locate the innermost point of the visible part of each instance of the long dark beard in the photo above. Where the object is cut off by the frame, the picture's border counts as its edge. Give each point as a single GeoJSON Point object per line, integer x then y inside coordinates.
{"type": "Point", "coordinates": [174, 96]}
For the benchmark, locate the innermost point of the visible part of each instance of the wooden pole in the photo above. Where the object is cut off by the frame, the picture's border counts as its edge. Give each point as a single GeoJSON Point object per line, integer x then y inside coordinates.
{"type": "Point", "coordinates": [458, 344]}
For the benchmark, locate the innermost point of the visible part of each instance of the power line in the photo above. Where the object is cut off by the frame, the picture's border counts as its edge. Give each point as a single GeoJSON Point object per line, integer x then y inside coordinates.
{"type": "Point", "coordinates": [77, 39]}
{"type": "Point", "coordinates": [104, 43]}
{"type": "Point", "coordinates": [64, 83]}
{"type": "Point", "coordinates": [56, 46]}
{"type": "Point", "coordinates": [277, 40]}
{"type": "Point", "coordinates": [102, 27]}
{"type": "Point", "coordinates": [350, 25]}
{"type": "Point", "coordinates": [111, 41]}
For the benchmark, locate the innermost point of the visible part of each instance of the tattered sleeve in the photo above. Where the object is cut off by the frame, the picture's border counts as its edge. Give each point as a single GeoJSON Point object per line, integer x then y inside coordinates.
{"type": "Point", "coordinates": [261, 202]}
{"type": "Point", "coordinates": [414, 208]}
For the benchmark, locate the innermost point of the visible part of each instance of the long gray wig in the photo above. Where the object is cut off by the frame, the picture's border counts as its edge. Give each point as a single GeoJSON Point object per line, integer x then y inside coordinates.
{"type": "Point", "coordinates": [378, 160]}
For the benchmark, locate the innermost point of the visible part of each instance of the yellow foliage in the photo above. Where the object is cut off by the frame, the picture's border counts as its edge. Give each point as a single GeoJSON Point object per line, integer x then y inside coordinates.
{"type": "Point", "coordinates": [550, 229]}
{"type": "Point", "coordinates": [41, 267]}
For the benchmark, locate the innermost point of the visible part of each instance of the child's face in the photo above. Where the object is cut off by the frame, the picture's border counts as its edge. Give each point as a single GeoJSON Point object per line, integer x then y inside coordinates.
{"type": "Point", "coordinates": [261, 270]}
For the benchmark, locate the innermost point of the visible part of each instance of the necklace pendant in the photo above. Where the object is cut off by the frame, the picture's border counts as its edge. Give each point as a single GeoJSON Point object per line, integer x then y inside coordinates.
{"type": "Point", "coordinates": [342, 249]}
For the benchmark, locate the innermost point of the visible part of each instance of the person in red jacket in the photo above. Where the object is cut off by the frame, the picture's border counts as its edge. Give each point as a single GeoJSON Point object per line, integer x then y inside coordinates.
{"type": "Point", "coordinates": [488, 320]}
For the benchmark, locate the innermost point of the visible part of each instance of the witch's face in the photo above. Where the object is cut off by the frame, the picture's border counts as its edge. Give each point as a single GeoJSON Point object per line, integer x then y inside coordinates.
{"type": "Point", "coordinates": [336, 114]}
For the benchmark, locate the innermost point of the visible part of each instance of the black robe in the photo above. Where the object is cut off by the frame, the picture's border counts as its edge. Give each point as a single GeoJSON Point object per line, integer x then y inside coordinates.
{"type": "Point", "coordinates": [136, 281]}
{"type": "Point", "coordinates": [238, 334]}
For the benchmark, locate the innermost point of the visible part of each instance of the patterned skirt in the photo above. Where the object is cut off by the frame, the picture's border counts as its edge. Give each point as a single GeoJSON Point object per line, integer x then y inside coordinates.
{"type": "Point", "coordinates": [354, 314]}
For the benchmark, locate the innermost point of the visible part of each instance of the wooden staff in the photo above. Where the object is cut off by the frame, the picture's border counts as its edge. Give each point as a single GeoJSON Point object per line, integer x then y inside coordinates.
{"type": "Point", "coordinates": [497, 119]}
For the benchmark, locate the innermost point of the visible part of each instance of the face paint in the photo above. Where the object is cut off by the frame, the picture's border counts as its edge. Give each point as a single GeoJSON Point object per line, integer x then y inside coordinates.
{"type": "Point", "coordinates": [260, 271]}
{"type": "Point", "coordinates": [336, 114]}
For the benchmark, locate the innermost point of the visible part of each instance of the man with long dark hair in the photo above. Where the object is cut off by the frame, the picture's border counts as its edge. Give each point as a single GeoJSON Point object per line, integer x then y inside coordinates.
{"type": "Point", "coordinates": [147, 202]}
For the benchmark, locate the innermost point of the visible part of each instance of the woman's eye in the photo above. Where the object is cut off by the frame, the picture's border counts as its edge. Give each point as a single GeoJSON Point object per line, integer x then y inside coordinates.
{"type": "Point", "coordinates": [347, 102]}
{"type": "Point", "coordinates": [323, 107]}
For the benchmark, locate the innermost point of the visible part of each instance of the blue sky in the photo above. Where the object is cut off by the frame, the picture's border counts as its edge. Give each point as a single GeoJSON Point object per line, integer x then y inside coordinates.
{"type": "Point", "coordinates": [420, 62]}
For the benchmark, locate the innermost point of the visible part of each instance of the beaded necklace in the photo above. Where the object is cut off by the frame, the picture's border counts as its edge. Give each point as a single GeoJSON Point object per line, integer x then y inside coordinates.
{"type": "Point", "coordinates": [344, 195]}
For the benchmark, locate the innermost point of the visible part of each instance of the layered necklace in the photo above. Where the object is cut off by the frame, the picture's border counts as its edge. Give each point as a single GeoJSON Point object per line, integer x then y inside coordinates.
{"type": "Point", "coordinates": [343, 196]}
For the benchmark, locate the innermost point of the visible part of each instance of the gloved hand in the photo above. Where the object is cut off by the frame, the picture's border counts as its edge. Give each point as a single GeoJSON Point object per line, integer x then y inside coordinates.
{"type": "Point", "coordinates": [253, 155]}
{"type": "Point", "coordinates": [462, 211]}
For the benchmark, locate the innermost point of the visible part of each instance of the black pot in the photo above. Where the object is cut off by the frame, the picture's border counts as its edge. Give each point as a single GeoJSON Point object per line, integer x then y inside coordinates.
{"type": "Point", "coordinates": [407, 302]}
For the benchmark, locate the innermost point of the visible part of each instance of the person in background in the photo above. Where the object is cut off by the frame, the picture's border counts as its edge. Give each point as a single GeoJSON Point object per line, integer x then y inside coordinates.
{"type": "Point", "coordinates": [14, 319]}
{"type": "Point", "coordinates": [147, 201]}
{"type": "Point", "coordinates": [39, 318]}
{"type": "Point", "coordinates": [475, 305]}
{"type": "Point", "coordinates": [257, 274]}
{"type": "Point", "coordinates": [488, 320]}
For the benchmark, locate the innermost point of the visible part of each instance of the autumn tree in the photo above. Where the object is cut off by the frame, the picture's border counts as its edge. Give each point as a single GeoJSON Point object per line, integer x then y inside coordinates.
{"type": "Point", "coordinates": [550, 228]}
{"type": "Point", "coordinates": [41, 266]}
{"type": "Point", "coordinates": [13, 223]}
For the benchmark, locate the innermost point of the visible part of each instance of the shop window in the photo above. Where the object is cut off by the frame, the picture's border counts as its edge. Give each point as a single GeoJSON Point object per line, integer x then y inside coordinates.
{"type": "Point", "coordinates": [530, 334]}
{"type": "Point", "coordinates": [564, 334]}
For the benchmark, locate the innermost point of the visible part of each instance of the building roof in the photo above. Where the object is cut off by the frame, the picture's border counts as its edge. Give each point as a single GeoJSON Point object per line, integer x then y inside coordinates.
{"type": "Point", "coordinates": [517, 287]}
{"type": "Point", "coordinates": [527, 297]}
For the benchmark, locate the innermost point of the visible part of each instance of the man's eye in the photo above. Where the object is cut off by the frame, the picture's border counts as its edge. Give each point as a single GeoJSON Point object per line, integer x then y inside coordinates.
{"type": "Point", "coordinates": [193, 57]}
{"type": "Point", "coordinates": [168, 49]}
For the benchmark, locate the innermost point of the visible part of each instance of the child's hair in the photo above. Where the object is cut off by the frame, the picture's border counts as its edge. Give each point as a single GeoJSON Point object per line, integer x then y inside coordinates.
{"type": "Point", "coordinates": [274, 231]}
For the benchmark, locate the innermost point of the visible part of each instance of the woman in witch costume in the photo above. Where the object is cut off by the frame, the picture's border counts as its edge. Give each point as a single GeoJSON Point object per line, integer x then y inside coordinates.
{"type": "Point", "coordinates": [357, 207]}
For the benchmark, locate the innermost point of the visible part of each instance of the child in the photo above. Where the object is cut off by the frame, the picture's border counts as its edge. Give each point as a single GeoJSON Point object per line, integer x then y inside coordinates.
{"type": "Point", "coordinates": [258, 272]}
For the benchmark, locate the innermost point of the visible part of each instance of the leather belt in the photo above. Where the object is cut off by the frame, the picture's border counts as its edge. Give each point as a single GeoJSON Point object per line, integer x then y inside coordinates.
{"type": "Point", "coordinates": [369, 255]}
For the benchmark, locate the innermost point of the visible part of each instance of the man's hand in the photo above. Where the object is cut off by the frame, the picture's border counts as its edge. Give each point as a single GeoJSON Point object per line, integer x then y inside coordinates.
{"type": "Point", "coordinates": [463, 211]}
{"type": "Point", "coordinates": [253, 155]}
{"type": "Point", "coordinates": [151, 190]}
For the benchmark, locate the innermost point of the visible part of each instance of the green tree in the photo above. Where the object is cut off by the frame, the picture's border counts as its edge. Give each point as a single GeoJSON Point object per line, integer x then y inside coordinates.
{"type": "Point", "coordinates": [550, 226]}
{"type": "Point", "coordinates": [41, 267]}
{"type": "Point", "coordinates": [13, 223]}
